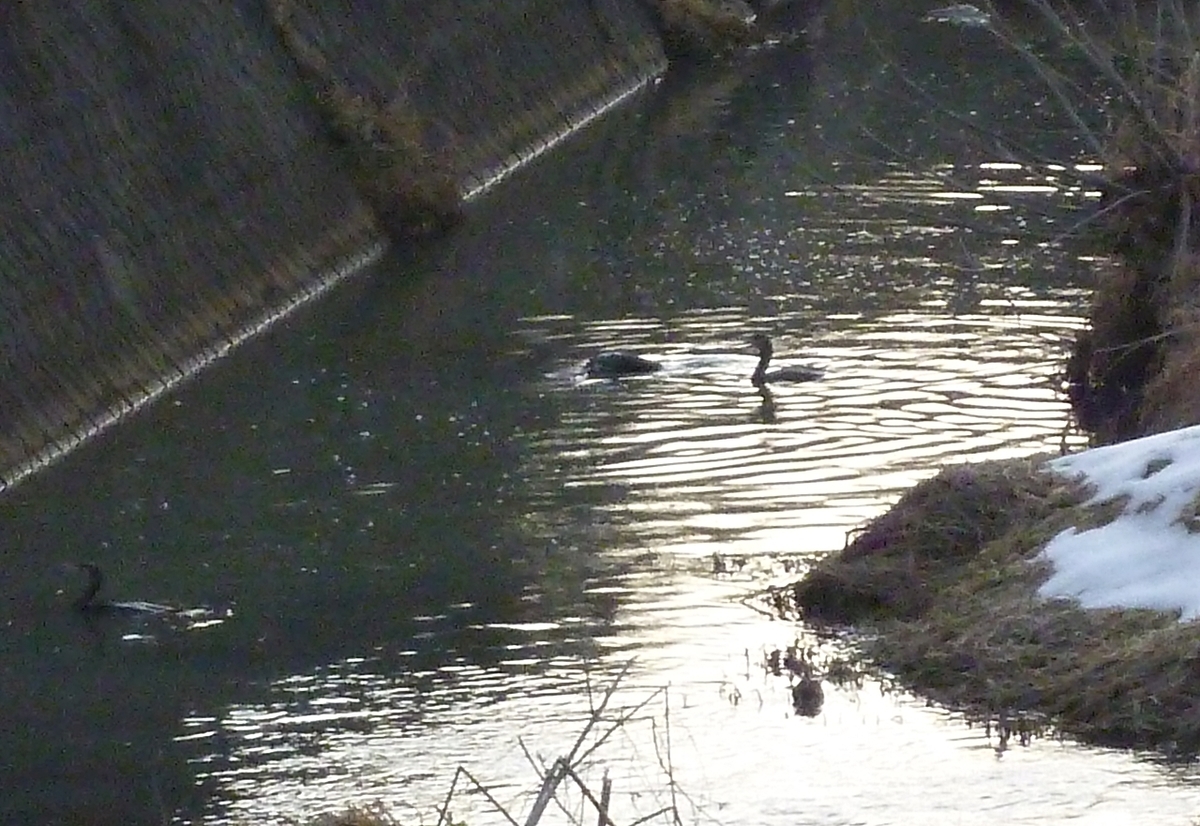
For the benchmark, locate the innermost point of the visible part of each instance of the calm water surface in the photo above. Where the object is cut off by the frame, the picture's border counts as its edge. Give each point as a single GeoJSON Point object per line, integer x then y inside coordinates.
{"type": "Point", "coordinates": [425, 541]}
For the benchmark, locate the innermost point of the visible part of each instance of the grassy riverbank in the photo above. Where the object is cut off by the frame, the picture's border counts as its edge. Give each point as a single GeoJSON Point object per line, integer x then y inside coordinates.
{"type": "Point", "coordinates": [945, 585]}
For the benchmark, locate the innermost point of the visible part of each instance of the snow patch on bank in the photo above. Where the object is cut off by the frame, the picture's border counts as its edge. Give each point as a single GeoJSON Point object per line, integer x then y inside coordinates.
{"type": "Point", "coordinates": [1147, 557]}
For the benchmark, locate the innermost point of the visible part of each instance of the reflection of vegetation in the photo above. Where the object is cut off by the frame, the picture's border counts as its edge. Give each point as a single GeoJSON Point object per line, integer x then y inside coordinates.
{"type": "Point", "coordinates": [949, 579]}
{"type": "Point", "coordinates": [804, 676]}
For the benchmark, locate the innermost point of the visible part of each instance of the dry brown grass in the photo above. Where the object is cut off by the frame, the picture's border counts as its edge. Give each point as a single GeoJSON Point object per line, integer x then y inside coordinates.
{"type": "Point", "coordinates": [372, 815]}
{"type": "Point", "coordinates": [974, 635]}
{"type": "Point", "coordinates": [991, 648]}
{"type": "Point", "coordinates": [412, 189]}
{"type": "Point", "coordinates": [1112, 362]}
{"type": "Point", "coordinates": [1142, 354]}
{"type": "Point", "coordinates": [1171, 399]}
{"type": "Point", "coordinates": [900, 561]}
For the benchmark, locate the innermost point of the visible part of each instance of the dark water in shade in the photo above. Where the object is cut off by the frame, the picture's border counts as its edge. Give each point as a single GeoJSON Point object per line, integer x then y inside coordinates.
{"type": "Point", "coordinates": [425, 539]}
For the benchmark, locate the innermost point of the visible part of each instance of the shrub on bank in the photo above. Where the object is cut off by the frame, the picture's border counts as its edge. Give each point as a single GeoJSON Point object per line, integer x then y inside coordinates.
{"type": "Point", "coordinates": [947, 581]}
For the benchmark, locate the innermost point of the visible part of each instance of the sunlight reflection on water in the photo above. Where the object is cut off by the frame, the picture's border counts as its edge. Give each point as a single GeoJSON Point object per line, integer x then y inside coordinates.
{"type": "Point", "coordinates": [697, 471]}
{"type": "Point", "coordinates": [687, 492]}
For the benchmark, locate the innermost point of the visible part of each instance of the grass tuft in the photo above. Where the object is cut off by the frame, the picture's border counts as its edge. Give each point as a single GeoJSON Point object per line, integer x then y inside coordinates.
{"type": "Point", "coordinates": [372, 815]}
{"type": "Point", "coordinates": [412, 189]}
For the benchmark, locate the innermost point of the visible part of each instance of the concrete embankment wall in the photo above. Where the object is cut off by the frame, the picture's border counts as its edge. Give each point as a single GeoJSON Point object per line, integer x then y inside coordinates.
{"type": "Point", "coordinates": [172, 181]}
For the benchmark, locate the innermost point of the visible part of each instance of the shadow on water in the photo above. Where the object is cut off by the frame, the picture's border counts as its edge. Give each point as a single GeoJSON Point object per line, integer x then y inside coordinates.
{"type": "Point", "coordinates": [432, 534]}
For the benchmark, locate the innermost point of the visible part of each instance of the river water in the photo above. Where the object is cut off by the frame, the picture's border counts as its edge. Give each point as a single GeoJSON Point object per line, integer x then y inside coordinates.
{"type": "Point", "coordinates": [422, 540]}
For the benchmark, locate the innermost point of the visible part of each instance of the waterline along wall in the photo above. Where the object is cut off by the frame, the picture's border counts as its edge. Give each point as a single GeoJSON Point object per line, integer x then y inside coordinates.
{"type": "Point", "coordinates": [178, 174]}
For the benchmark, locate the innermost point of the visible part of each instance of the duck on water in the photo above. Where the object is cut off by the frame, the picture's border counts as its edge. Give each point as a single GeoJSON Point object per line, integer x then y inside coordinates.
{"type": "Point", "coordinates": [88, 604]}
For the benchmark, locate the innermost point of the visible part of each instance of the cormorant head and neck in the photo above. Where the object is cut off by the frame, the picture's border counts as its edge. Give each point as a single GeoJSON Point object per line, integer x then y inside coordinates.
{"type": "Point", "coordinates": [84, 602]}
{"type": "Point", "coordinates": [91, 607]}
{"type": "Point", "coordinates": [763, 344]}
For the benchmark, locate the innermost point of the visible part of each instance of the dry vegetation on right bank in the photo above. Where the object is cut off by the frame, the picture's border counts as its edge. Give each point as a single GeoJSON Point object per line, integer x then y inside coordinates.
{"type": "Point", "coordinates": [1132, 373]}
{"type": "Point", "coordinates": [945, 585]}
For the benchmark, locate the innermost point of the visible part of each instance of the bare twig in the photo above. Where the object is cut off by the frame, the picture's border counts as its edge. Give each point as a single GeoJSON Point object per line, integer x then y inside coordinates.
{"type": "Point", "coordinates": [596, 714]}
{"type": "Point", "coordinates": [1054, 83]}
{"type": "Point", "coordinates": [664, 810]}
{"type": "Point", "coordinates": [443, 812]}
{"type": "Point", "coordinates": [601, 807]}
{"type": "Point", "coordinates": [1101, 59]}
{"type": "Point", "coordinates": [620, 721]}
{"type": "Point", "coordinates": [550, 782]}
{"type": "Point", "coordinates": [605, 798]}
{"type": "Point", "coordinates": [442, 816]}
{"type": "Point", "coordinates": [569, 766]}
{"type": "Point", "coordinates": [670, 765]}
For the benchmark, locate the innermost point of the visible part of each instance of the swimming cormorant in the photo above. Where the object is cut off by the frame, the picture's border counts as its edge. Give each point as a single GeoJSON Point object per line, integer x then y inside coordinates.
{"type": "Point", "coordinates": [761, 375]}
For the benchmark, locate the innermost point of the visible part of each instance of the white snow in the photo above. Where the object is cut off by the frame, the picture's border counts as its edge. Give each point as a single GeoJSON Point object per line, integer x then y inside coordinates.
{"type": "Point", "coordinates": [1146, 558]}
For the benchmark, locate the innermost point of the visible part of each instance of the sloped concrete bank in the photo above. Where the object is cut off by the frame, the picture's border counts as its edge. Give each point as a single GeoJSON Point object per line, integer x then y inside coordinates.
{"type": "Point", "coordinates": [178, 175]}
